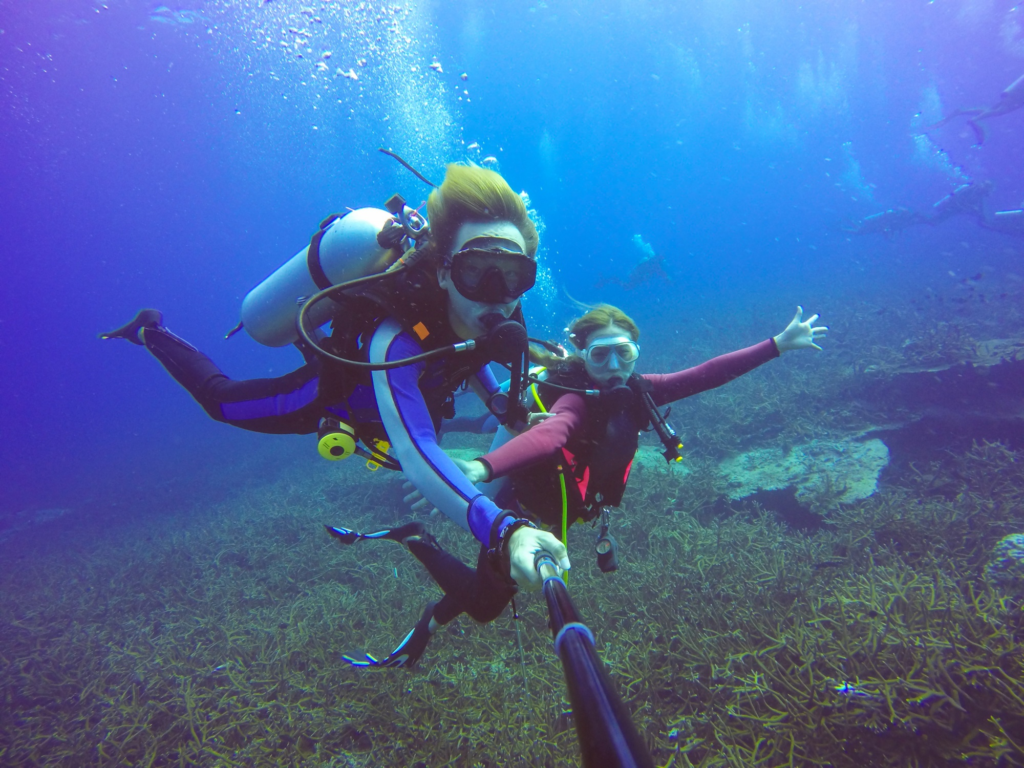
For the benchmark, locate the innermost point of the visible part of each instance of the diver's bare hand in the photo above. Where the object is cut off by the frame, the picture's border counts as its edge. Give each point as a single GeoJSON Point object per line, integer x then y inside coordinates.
{"type": "Point", "coordinates": [476, 471]}
{"type": "Point", "coordinates": [416, 500]}
{"type": "Point", "coordinates": [536, 418]}
{"type": "Point", "coordinates": [800, 334]}
{"type": "Point", "coordinates": [523, 547]}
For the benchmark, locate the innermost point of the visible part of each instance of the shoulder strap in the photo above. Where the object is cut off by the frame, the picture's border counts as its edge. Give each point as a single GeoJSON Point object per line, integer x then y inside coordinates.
{"type": "Point", "coordinates": [316, 269]}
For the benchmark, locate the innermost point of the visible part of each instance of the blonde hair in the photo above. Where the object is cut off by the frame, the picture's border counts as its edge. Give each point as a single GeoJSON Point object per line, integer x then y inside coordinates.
{"type": "Point", "coordinates": [471, 193]}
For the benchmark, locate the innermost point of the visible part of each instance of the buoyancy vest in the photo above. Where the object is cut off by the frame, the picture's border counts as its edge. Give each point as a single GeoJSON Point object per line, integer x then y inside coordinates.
{"type": "Point", "coordinates": [597, 459]}
{"type": "Point", "coordinates": [412, 298]}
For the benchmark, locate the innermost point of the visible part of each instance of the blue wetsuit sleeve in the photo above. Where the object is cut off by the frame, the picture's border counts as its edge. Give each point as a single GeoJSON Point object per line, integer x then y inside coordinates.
{"type": "Point", "coordinates": [487, 380]}
{"type": "Point", "coordinates": [410, 429]}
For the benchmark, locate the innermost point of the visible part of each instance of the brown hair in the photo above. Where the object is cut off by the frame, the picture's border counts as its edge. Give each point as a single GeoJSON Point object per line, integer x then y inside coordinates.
{"type": "Point", "coordinates": [600, 317]}
{"type": "Point", "coordinates": [581, 329]}
{"type": "Point", "coordinates": [471, 193]}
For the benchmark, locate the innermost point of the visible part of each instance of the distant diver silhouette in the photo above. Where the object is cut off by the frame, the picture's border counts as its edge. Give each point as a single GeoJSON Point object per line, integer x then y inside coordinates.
{"type": "Point", "coordinates": [1007, 222]}
{"type": "Point", "coordinates": [966, 200]}
{"type": "Point", "coordinates": [889, 223]}
{"type": "Point", "coordinates": [646, 271]}
{"type": "Point", "coordinates": [1010, 100]}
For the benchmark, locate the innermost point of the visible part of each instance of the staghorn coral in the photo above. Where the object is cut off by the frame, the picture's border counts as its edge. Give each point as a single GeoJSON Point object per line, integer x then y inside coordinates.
{"type": "Point", "coordinates": [213, 638]}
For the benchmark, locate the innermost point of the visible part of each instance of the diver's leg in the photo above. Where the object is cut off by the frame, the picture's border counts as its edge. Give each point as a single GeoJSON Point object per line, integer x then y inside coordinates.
{"type": "Point", "coordinates": [483, 593]}
{"type": "Point", "coordinates": [401, 534]}
{"type": "Point", "coordinates": [953, 116]}
{"type": "Point", "coordinates": [189, 367]}
{"type": "Point", "coordinates": [254, 404]}
{"type": "Point", "coordinates": [131, 331]}
{"type": "Point", "coordinates": [408, 652]}
{"type": "Point", "coordinates": [410, 649]}
{"type": "Point", "coordinates": [451, 574]}
{"type": "Point", "coordinates": [979, 131]}
{"type": "Point", "coordinates": [492, 590]}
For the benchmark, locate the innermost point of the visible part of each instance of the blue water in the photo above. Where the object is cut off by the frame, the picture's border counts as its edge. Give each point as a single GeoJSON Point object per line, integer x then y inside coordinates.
{"type": "Point", "coordinates": [173, 156]}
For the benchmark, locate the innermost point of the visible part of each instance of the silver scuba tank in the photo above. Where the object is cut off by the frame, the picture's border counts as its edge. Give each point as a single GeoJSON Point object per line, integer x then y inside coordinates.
{"type": "Point", "coordinates": [348, 249]}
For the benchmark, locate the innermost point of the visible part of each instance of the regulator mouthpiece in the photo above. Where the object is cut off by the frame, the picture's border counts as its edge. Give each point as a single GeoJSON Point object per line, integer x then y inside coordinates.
{"type": "Point", "coordinates": [506, 339]}
{"type": "Point", "coordinates": [491, 320]}
{"type": "Point", "coordinates": [619, 397]}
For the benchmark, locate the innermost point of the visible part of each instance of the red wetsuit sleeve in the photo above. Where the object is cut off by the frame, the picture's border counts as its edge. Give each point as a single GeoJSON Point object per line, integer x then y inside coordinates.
{"type": "Point", "coordinates": [540, 441]}
{"type": "Point", "coordinates": [669, 387]}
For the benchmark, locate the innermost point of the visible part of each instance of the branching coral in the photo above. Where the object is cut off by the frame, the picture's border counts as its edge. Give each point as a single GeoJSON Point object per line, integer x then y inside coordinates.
{"type": "Point", "coordinates": [734, 640]}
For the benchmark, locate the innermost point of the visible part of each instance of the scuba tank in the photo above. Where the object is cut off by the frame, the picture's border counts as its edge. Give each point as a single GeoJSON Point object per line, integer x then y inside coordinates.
{"type": "Point", "coordinates": [348, 252]}
{"type": "Point", "coordinates": [345, 248]}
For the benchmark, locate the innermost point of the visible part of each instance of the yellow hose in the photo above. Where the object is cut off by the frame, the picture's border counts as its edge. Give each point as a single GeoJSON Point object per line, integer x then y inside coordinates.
{"type": "Point", "coordinates": [561, 482]}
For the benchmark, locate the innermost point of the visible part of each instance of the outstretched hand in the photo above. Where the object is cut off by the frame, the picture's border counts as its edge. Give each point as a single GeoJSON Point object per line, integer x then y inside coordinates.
{"type": "Point", "coordinates": [800, 334]}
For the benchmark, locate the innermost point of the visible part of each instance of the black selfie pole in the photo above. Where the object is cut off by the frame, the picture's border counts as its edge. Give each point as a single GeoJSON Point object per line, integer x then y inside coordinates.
{"type": "Point", "coordinates": [608, 738]}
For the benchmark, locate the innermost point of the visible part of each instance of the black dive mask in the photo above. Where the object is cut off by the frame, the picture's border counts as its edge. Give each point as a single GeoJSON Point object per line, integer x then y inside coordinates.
{"type": "Point", "coordinates": [492, 275]}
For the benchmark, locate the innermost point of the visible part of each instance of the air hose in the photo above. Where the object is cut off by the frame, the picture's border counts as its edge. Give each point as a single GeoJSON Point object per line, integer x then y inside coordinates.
{"type": "Point", "coordinates": [561, 482]}
{"type": "Point", "coordinates": [307, 335]}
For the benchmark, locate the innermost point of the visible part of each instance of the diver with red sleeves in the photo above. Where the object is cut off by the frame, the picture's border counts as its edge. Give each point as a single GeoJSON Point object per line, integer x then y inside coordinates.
{"type": "Point", "coordinates": [575, 463]}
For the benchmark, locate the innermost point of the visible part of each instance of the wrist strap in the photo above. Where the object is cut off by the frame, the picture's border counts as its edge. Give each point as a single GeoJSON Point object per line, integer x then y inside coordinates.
{"type": "Point", "coordinates": [492, 539]}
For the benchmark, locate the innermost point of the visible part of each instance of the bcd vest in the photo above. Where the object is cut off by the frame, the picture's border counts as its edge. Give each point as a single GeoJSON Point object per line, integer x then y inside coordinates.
{"type": "Point", "coordinates": [421, 308]}
{"type": "Point", "coordinates": [596, 462]}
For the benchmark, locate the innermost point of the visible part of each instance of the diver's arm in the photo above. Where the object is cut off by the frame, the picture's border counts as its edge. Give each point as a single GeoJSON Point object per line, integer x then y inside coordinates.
{"type": "Point", "coordinates": [669, 387]}
{"type": "Point", "coordinates": [410, 429]}
{"type": "Point", "coordinates": [538, 442]}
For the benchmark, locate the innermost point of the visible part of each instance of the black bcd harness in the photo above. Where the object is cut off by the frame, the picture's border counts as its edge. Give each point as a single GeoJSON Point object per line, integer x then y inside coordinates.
{"type": "Point", "coordinates": [600, 458]}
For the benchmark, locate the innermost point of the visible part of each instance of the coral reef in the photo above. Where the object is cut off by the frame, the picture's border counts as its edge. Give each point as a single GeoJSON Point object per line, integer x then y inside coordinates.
{"type": "Point", "coordinates": [1006, 568]}
{"type": "Point", "coordinates": [211, 635]}
{"type": "Point", "coordinates": [822, 471]}
{"type": "Point", "coordinates": [214, 638]}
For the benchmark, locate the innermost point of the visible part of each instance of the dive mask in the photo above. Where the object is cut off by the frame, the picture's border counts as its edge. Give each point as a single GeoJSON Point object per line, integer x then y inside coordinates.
{"type": "Point", "coordinates": [488, 272]}
{"type": "Point", "coordinates": [599, 355]}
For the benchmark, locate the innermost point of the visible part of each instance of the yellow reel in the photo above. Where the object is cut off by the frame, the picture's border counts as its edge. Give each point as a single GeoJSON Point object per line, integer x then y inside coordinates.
{"type": "Point", "coordinates": [337, 440]}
